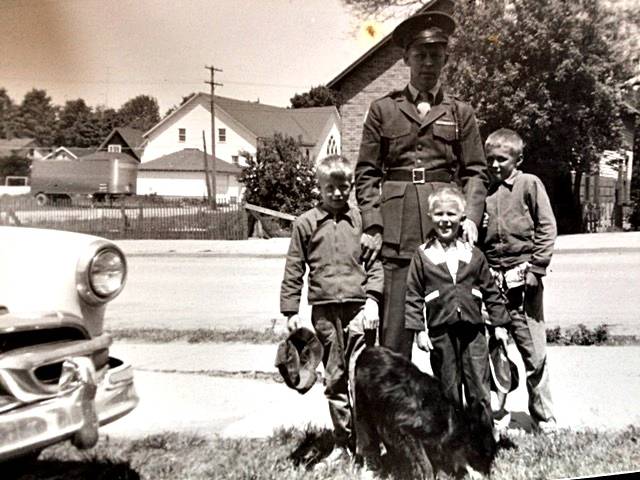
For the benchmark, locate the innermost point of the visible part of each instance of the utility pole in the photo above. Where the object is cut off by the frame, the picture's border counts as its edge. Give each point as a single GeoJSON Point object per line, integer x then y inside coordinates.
{"type": "Point", "coordinates": [213, 85]}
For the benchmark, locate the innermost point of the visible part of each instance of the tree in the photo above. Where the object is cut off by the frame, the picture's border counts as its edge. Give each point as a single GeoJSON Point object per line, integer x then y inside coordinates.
{"type": "Point", "coordinates": [105, 120]}
{"type": "Point", "coordinates": [280, 177]}
{"type": "Point", "coordinates": [7, 115]}
{"type": "Point", "coordinates": [141, 112]}
{"type": "Point", "coordinates": [175, 107]}
{"type": "Point", "coordinates": [36, 118]}
{"type": "Point", "coordinates": [14, 165]}
{"type": "Point", "coordinates": [319, 96]}
{"type": "Point", "coordinates": [548, 69]}
{"type": "Point", "coordinates": [76, 125]}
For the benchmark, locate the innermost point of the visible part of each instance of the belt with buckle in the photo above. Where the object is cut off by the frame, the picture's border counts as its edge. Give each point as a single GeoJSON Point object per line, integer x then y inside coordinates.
{"type": "Point", "coordinates": [417, 175]}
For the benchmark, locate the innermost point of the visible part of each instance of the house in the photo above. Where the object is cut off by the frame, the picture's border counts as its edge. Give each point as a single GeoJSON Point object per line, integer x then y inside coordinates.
{"type": "Point", "coordinates": [239, 126]}
{"type": "Point", "coordinates": [181, 174]}
{"type": "Point", "coordinates": [68, 153]}
{"type": "Point", "coordinates": [23, 147]}
{"type": "Point", "coordinates": [124, 140]}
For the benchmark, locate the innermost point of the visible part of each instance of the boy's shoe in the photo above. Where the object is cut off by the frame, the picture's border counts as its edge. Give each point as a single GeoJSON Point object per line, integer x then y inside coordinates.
{"type": "Point", "coordinates": [337, 456]}
{"type": "Point", "coordinates": [501, 420]}
{"type": "Point", "coordinates": [546, 426]}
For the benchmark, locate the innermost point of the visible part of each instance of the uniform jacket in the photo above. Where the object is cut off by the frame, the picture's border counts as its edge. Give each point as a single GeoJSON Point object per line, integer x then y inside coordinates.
{"type": "Point", "coordinates": [521, 226]}
{"type": "Point", "coordinates": [394, 136]}
{"type": "Point", "coordinates": [330, 246]}
{"type": "Point", "coordinates": [434, 293]}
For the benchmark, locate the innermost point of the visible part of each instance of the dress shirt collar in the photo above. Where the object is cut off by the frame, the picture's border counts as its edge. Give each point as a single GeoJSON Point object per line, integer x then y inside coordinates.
{"type": "Point", "coordinates": [415, 92]}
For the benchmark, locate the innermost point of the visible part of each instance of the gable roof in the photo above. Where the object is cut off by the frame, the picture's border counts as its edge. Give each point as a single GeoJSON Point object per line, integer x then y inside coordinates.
{"type": "Point", "coordinates": [132, 137]}
{"type": "Point", "coordinates": [9, 145]}
{"type": "Point", "coordinates": [264, 120]}
{"type": "Point", "coordinates": [75, 152]}
{"type": "Point", "coordinates": [187, 160]}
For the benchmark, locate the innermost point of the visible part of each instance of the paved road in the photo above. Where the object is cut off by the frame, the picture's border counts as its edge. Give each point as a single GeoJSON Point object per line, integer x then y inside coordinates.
{"type": "Point", "coordinates": [187, 291]}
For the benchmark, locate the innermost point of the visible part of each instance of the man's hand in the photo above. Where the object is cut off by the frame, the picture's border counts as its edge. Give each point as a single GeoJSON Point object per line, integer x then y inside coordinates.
{"type": "Point", "coordinates": [501, 335]}
{"type": "Point", "coordinates": [469, 231]}
{"type": "Point", "coordinates": [370, 244]}
{"type": "Point", "coordinates": [371, 315]}
{"type": "Point", "coordinates": [424, 342]}
{"type": "Point", "coordinates": [292, 322]}
{"type": "Point", "coordinates": [531, 280]}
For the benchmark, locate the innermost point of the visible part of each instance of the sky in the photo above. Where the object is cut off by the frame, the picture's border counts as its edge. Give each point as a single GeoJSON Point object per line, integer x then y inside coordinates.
{"type": "Point", "coordinates": [109, 51]}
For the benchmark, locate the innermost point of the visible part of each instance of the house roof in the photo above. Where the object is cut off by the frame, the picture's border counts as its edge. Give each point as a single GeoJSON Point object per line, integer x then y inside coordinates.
{"type": "Point", "coordinates": [132, 137]}
{"type": "Point", "coordinates": [7, 146]}
{"type": "Point", "coordinates": [76, 152]}
{"type": "Point", "coordinates": [265, 120]}
{"type": "Point", "coordinates": [187, 160]}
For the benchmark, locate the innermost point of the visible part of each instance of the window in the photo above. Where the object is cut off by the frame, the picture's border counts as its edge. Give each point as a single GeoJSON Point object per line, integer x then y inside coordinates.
{"type": "Point", "coordinates": [222, 134]}
{"type": "Point", "coordinates": [233, 200]}
{"type": "Point", "coordinates": [114, 148]}
{"type": "Point", "coordinates": [332, 147]}
{"type": "Point", "coordinates": [234, 159]}
{"type": "Point", "coordinates": [182, 135]}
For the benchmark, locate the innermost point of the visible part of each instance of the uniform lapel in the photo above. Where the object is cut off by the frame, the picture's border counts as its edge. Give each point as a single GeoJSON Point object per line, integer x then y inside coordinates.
{"type": "Point", "coordinates": [407, 106]}
{"type": "Point", "coordinates": [436, 112]}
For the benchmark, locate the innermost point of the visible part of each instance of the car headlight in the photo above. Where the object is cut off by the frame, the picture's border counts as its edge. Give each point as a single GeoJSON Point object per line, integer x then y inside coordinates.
{"type": "Point", "coordinates": [106, 273]}
{"type": "Point", "coordinates": [101, 272]}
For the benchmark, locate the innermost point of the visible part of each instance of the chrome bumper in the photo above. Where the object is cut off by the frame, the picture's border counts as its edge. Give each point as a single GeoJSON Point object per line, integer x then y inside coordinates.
{"type": "Point", "coordinates": [92, 398]}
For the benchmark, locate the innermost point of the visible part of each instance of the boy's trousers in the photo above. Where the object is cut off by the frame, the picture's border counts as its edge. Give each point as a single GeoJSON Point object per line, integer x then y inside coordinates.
{"type": "Point", "coordinates": [332, 324]}
{"type": "Point", "coordinates": [527, 328]}
{"type": "Point", "coordinates": [460, 356]}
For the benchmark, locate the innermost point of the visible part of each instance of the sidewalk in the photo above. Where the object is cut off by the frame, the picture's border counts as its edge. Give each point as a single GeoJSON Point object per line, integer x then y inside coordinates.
{"type": "Point", "coordinates": [593, 387]}
{"type": "Point", "coordinates": [276, 247]}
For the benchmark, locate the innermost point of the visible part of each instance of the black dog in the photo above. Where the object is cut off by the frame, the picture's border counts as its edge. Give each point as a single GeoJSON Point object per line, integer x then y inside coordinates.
{"type": "Point", "coordinates": [422, 432]}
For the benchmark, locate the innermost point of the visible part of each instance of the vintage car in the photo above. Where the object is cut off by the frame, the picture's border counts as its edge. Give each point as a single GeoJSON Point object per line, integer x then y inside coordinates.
{"type": "Point", "coordinates": [57, 380]}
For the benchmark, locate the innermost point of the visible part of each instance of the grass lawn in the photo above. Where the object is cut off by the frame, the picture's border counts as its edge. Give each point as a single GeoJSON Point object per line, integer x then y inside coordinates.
{"type": "Point", "coordinates": [183, 456]}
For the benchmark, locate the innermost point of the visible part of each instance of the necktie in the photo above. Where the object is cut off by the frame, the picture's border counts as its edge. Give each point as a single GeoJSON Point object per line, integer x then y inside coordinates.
{"type": "Point", "coordinates": [423, 105]}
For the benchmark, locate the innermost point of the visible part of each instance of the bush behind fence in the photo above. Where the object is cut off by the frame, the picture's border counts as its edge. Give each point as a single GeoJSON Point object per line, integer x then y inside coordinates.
{"type": "Point", "coordinates": [133, 218]}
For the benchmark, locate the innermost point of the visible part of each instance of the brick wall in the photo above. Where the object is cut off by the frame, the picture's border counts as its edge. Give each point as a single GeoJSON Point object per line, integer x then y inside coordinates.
{"type": "Point", "coordinates": [379, 74]}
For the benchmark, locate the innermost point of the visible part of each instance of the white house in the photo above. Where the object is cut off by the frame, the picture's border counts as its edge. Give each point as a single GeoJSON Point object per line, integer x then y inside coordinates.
{"type": "Point", "coordinates": [181, 174]}
{"type": "Point", "coordinates": [239, 125]}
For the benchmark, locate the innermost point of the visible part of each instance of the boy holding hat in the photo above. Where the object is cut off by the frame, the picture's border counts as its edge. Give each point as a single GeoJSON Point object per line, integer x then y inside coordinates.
{"type": "Point", "coordinates": [343, 294]}
{"type": "Point", "coordinates": [414, 141]}
{"type": "Point", "coordinates": [519, 240]}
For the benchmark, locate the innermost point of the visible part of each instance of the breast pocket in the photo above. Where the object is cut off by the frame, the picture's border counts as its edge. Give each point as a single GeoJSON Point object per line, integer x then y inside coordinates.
{"type": "Point", "coordinates": [391, 203]}
{"type": "Point", "coordinates": [399, 138]}
{"type": "Point", "coordinates": [444, 132]}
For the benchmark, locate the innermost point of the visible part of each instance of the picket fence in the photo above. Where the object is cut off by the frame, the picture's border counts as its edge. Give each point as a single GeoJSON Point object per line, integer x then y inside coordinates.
{"type": "Point", "coordinates": [131, 218]}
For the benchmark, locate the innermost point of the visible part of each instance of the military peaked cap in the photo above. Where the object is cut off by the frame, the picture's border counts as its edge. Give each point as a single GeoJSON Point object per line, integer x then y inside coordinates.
{"type": "Point", "coordinates": [297, 359]}
{"type": "Point", "coordinates": [433, 25]}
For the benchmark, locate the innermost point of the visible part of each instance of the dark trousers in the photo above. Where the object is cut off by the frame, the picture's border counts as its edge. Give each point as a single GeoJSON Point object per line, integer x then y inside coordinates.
{"type": "Point", "coordinates": [393, 333]}
{"type": "Point", "coordinates": [340, 333]}
{"type": "Point", "coordinates": [460, 357]}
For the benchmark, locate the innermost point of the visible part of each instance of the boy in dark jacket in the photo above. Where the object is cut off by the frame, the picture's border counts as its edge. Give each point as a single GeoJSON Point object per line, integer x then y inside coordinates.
{"type": "Point", "coordinates": [343, 295]}
{"type": "Point", "coordinates": [447, 283]}
{"type": "Point", "coordinates": [519, 239]}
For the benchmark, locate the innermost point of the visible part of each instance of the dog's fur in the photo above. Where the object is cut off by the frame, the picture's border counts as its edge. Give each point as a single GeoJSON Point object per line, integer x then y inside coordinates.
{"type": "Point", "coordinates": [422, 431]}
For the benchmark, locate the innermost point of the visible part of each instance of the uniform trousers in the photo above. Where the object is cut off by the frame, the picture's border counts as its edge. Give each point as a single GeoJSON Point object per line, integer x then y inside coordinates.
{"type": "Point", "coordinates": [527, 328]}
{"type": "Point", "coordinates": [460, 358]}
{"type": "Point", "coordinates": [393, 333]}
{"type": "Point", "coordinates": [339, 329]}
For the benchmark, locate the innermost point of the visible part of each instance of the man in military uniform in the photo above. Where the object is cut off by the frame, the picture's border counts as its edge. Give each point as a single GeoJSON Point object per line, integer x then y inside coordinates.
{"type": "Point", "coordinates": [414, 141]}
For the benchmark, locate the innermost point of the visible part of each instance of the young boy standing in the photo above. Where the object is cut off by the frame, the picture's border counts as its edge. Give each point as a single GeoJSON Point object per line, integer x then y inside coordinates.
{"type": "Point", "coordinates": [343, 295]}
{"type": "Point", "coordinates": [519, 239]}
{"type": "Point", "coordinates": [447, 283]}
